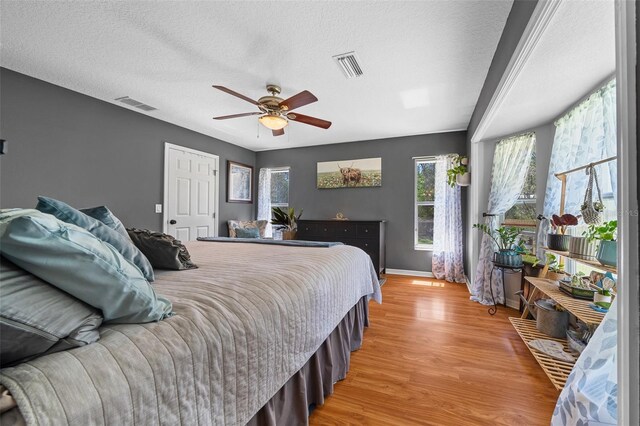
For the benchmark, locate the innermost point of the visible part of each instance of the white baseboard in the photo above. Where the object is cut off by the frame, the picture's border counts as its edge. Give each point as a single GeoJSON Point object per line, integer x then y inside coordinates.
{"type": "Point", "coordinates": [515, 304]}
{"type": "Point", "coordinates": [409, 272]}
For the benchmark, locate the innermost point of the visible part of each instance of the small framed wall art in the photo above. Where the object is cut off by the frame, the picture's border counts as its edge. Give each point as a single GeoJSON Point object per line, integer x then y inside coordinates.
{"type": "Point", "coordinates": [239, 182]}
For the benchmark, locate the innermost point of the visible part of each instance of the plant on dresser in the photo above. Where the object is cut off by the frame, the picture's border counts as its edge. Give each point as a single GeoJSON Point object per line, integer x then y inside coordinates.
{"type": "Point", "coordinates": [287, 220]}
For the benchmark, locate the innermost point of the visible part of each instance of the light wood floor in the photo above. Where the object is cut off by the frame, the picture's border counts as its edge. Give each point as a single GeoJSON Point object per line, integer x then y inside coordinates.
{"type": "Point", "coordinates": [431, 356]}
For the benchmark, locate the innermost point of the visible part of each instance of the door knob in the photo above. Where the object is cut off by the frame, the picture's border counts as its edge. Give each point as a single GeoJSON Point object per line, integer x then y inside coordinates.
{"type": "Point", "coordinates": [172, 222]}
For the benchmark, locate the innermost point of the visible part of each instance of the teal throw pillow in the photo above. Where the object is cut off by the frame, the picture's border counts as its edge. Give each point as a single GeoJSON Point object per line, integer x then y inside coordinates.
{"type": "Point", "coordinates": [123, 244]}
{"type": "Point", "coordinates": [106, 216]}
{"type": "Point", "coordinates": [79, 263]}
{"type": "Point", "coordinates": [247, 233]}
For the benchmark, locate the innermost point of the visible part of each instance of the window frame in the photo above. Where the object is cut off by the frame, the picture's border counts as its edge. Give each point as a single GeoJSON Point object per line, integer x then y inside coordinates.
{"type": "Point", "coordinates": [280, 170]}
{"type": "Point", "coordinates": [416, 204]}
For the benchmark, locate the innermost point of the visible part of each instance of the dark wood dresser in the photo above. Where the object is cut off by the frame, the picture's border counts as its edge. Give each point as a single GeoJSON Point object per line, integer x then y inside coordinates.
{"type": "Point", "coordinates": [369, 235]}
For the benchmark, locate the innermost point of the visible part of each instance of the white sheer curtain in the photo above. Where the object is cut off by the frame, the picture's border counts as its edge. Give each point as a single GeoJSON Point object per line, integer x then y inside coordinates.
{"type": "Point", "coordinates": [585, 134]}
{"type": "Point", "coordinates": [264, 199]}
{"type": "Point", "coordinates": [447, 262]}
{"type": "Point", "coordinates": [510, 164]}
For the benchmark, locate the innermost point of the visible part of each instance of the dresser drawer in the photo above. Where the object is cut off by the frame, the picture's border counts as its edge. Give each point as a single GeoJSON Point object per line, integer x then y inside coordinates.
{"type": "Point", "coordinates": [368, 230]}
{"type": "Point", "coordinates": [308, 230]}
{"type": "Point", "coordinates": [345, 230]}
{"type": "Point", "coordinates": [368, 245]}
{"type": "Point", "coordinates": [326, 230]}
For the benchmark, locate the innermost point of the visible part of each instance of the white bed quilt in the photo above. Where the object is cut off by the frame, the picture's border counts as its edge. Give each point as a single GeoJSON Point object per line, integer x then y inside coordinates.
{"type": "Point", "coordinates": [245, 322]}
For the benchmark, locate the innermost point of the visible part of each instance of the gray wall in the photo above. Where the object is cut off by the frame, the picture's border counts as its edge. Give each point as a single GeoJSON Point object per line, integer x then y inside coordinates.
{"type": "Point", "coordinates": [88, 152]}
{"type": "Point", "coordinates": [393, 201]}
{"type": "Point", "coordinates": [517, 21]}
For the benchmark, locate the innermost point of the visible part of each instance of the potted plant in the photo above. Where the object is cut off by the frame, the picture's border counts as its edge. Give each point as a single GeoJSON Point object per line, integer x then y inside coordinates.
{"type": "Point", "coordinates": [558, 240]}
{"type": "Point", "coordinates": [505, 238]}
{"type": "Point", "coordinates": [459, 173]}
{"type": "Point", "coordinates": [603, 298]}
{"type": "Point", "coordinates": [555, 270]}
{"type": "Point", "coordinates": [607, 253]}
{"type": "Point", "coordinates": [582, 247]}
{"type": "Point", "coordinates": [287, 221]}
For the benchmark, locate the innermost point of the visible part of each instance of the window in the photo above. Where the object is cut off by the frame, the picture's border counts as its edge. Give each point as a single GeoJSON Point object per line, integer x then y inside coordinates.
{"type": "Point", "coordinates": [425, 172]}
{"type": "Point", "coordinates": [280, 187]}
{"type": "Point", "coordinates": [523, 214]}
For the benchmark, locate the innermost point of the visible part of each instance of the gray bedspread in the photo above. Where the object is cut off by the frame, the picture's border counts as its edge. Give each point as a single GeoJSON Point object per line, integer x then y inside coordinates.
{"type": "Point", "coordinates": [267, 241]}
{"type": "Point", "coordinates": [245, 321]}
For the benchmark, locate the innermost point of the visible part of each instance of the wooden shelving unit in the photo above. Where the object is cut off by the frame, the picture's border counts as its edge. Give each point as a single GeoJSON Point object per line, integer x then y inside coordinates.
{"type": "Point", "coordinates": [593, 264]}
{"type": "Point", "coordinates": [556, 370]}
{"type": "Point", "coordinates": [578, 307]}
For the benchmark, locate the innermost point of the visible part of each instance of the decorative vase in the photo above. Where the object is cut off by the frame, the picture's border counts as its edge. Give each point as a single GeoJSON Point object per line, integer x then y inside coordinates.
{"type": "Point", "coordinates": [289, 235]}
{"type": "Point", "coordinates": [558, 242]}
{"type": "Point", "coordinates": [608, 253]}
{"type": "Point", "coordinates": [464, 179]}
{"type": "Point", "coordinates": [582, 248]}
{"type": "Point", "coordinates": [555, 276]}
{"type": "Point", "coordinates": [602, 300]}
{"type": "Point", "coordinates": [507, 258]}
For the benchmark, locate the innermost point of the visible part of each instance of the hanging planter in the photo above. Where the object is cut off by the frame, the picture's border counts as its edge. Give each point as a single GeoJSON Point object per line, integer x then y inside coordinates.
{"type": "Point", "coordinates": [463, 179]}
{"type": "Point", "coordinates": [459, 171]}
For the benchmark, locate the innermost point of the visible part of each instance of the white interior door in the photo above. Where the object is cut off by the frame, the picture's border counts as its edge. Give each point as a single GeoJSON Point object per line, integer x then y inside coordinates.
{"type": "Point", "coordinates": [191, 193]}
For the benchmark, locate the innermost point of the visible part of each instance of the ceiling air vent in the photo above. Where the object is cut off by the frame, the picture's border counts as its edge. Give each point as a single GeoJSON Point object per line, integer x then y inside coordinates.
{"type": "Point", "coordinates": [132, 102]}
{"type": "Point", "coordinates": [348, 63]}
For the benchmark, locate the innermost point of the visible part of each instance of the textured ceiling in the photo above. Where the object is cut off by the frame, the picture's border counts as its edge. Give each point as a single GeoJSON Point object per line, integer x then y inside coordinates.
{"type": "Point", "coordinates": [575, 54]}
{"type": "Point", "coordinates": [424, 62]}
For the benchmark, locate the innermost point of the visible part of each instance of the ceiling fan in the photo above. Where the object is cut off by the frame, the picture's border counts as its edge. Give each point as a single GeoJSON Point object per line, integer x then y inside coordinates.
{"type": "Point", "coordinates": [275, 111]}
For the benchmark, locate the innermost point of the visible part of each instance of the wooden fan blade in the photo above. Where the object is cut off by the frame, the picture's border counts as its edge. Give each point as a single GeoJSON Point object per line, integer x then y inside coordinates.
{"type": "Point", "coordinates": [296, 101]}
{"type": "Point", "coordinates": [278, 132]}
{"type": "Point", "coordinates": [236, 94]}
{"type": "Point", "coordinates": [246, 114]}
{"type": "Point", "coordinates": [309, 120]}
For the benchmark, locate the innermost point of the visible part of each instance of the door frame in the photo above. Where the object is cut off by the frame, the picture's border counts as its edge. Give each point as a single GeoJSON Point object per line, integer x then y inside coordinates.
{"type": "Point", "coordinates": [165, 198]}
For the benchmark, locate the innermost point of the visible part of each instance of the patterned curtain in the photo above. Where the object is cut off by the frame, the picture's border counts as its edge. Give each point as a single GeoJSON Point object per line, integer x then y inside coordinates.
{"type": "Point", "coordinates": [447, 260]}
{"type": "Point", "coordinates": [264, 199]}
{"type": "Point", "coordinates": [585, 134]}
{"type": "Point", "coordinates": [590, 395]}
{"type": "Point", "coordinates": [510, 165]}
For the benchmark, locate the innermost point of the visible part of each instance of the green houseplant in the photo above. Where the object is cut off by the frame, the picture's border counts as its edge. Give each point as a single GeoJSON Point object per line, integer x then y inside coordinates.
{"type": "Point", "coordinates": [606, 235]}
{"type": "Point", "coordinates": [558, 240]}
{"type": "Point", "coordinates": [506, 239]}
{"type": "Point", "coordinates": [459, 173]}
{"type": "Point", "coordinates": [287, 221]}
{"type": "Point", "coordinates": [555, 269]}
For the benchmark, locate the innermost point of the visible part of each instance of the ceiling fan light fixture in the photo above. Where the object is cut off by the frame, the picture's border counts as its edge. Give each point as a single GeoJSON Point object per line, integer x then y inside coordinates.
{"type": "Point", "coordinates": [273, 121]}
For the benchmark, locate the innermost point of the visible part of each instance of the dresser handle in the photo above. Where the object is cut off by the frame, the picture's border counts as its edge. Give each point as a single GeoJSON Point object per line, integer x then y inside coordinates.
{"type": "Point", "coordinates": [366, 230]}
{"type": "Point", "coordinates": [325, 229]}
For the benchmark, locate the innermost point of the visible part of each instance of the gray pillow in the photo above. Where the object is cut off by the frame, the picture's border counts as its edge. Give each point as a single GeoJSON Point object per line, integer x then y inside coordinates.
{"type": "Point", "coordinates": [162, 250]}
{"type": "Point", "coordinates": [68, 214]}
{"type": "Point", "coordinates": [79, 263]}
{"type": "Point", "coordinates": [104, 215]}
{"type": "Point", "coordinates": [37, 318]}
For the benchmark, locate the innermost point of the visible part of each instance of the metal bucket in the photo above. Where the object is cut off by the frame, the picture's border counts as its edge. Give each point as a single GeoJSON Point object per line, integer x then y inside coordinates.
{"type": "Point", "coordinates": [549, 321]}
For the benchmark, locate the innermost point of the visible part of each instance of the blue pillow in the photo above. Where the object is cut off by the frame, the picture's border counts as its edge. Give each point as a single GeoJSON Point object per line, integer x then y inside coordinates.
{"type": "Point", "coordinates": [104, 215]}
{"type": "Point", "coordinates": [247, 233]}
{"type": "Point", "coordinates": [79, 263]}
{"type": "Point", "coordinates": [68, 214]}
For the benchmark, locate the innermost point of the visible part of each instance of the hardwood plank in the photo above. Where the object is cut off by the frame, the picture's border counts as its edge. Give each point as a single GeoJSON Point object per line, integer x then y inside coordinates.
{"type": "Point", "coordinates": [432, 357]}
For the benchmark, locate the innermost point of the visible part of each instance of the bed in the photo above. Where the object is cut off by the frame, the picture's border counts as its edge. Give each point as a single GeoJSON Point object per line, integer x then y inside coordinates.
{"type": "Point", "coordinates": [259, 334]}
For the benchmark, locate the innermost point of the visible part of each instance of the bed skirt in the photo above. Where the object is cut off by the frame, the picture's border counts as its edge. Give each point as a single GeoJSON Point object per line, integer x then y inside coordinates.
{"type": "Point", "coordinates": [307, 388]}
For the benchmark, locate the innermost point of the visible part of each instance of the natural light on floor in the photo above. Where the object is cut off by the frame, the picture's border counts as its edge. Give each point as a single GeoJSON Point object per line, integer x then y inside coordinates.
{"type": "Point", "coordinates": [427, 283]}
